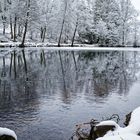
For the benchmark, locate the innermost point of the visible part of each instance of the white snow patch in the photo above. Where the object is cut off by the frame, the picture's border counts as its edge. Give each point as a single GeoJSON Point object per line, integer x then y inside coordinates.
{"type": "Point", "coordinates": [84, 48]}
{"type": "Point", "coordinates": [6, 131]}
{"type": "Point", "coordinates": [109, 123]}
{"type": "Point", "coordinates": [135, 117]}
{"type": "Point", "coordinates": [121, 137]}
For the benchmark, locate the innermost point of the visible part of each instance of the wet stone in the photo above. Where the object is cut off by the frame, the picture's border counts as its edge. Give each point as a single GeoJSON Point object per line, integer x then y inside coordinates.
{"type": "Point", "coordinates": [6, 137]}
{"type": "Point", "coordinates": [127, 119]}
{"type": "Point", "coordinates": [100, 131]}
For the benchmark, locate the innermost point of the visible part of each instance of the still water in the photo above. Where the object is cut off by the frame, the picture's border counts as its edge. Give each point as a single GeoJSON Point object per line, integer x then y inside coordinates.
{"type": "Point", "coordinates": [44, 94]}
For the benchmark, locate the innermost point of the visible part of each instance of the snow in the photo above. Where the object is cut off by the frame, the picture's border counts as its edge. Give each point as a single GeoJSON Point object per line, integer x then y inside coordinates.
{"type": "Point", "coordinates": [6, 131]}
{"type": "Point", "coordinates": [86, 48]}
{"type": "Point", "coordinates": [128, 133]}
{"type": "Point", "coordinates": [77, 47]}
{"type": "Point", "coordinates": [109, 123]}
{"type": "Point", "coordinates": [135, 117]}
{"type": "Point", "coordinates": [121, 137]}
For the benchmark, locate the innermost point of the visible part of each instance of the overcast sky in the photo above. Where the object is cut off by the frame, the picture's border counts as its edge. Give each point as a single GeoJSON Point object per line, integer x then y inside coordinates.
{"type": "Point", "coordinates": [136, 3]}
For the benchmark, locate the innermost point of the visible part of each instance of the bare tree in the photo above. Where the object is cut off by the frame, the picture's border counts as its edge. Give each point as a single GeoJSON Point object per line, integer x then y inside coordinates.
{"type": "Point", "coordinates": [63, 21]}
{"type": "Point", "coordinates": [26, 24]}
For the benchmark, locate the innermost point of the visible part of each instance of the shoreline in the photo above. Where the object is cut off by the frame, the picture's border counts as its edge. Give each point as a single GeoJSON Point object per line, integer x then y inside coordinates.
{"type": "Point", "coordinates": [67, 47]}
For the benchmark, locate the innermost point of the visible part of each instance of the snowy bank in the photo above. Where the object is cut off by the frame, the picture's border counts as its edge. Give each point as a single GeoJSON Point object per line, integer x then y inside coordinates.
{"type": "Point", "coordinates": [67, 47]}
{"type": "Point", "coordinates": [110, 130]}
{"type": "Point", "coordinates": [85, 48]}
{"type": "Point", "coordinates": [130, 132]}
{"type": "Point", "coordinates": [121, 137]}
{"type": "Point", "coordinates": [6, 133]}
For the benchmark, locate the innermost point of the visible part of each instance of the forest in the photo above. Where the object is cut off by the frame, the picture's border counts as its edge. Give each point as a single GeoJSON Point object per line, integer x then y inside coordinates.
{"type": "Point", "coordinates": [102, 22]}
{"type": "Point", "coordinates": [69, 69]}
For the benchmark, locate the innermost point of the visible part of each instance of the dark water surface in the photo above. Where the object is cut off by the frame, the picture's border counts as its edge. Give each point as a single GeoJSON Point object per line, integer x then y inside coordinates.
{"type": "Point", "coordinates": [44, 94]}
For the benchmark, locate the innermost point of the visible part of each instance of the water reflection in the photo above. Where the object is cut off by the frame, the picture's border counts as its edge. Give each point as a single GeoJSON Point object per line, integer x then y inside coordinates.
{"type": "Point", "coordinates": [112, 71]}
{"type": "Point", "coordinates": [39, 88]}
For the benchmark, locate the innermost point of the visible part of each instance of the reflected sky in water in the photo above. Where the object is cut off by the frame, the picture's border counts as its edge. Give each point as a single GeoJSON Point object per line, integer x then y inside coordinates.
{"type": "Point", "coordinates": [44, 94]}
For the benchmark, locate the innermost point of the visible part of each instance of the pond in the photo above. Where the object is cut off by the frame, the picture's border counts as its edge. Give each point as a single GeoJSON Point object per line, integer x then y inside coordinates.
{"type": "Point", "coordinates": [45, 93]}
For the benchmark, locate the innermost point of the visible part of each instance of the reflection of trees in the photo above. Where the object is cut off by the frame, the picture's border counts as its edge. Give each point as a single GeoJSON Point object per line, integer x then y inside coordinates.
{"type": "Point", "coordinates": [17, 89]}
{"type": "Point", "coordinates": [26, 75]}
{"type": "Point", "coordinates": [60, 74]}
{"type": "Point", "coordinates": [111, 72]}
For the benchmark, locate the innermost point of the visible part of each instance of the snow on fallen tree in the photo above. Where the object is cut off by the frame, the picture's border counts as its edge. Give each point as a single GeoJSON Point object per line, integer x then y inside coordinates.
{"type": "Point", "coordinates": [110, 130]}
{"type": "Point", "coordinates": [7, 134]}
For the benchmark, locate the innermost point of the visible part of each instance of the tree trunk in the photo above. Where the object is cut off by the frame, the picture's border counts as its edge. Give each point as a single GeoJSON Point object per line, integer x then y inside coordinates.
{"type": "Point", "coordinates": [26, 26]}
{"type": "Point", "coordinates": [59, 41]}
{"type": "Point", "coordinates": [4, 24]}
{"type": "Point", "coordinates": [11, 27]}
{"type": "Point", "coordinates": [61, 33]}
{"type": "Point", "coordinates": [15, 29]}
{"type": "Point", "coordinates": [3, 28]}
{"type": "Point", "coordinates": [74, 34]}
{"type": "Point", "coordinates": [41, 34]}
{"type": "Point", "coordinates": [135, 35]}
{"type": "Point", "coordinates": [24, 34]}
{"type": "Point", "coordinates": [123, 33]}
{"type": "Point", "coordinates": [44, 34]}
{"type": "Point", "coordinates": [19, 30]}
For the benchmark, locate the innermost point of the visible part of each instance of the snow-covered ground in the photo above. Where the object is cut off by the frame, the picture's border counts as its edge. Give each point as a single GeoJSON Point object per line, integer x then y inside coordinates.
{"type": "Point", "coordinates": [67, 47]}
{"type": "Point", "coordinates": [77, 47]}
{"type": "Point", "coordinates": [91, 48]}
